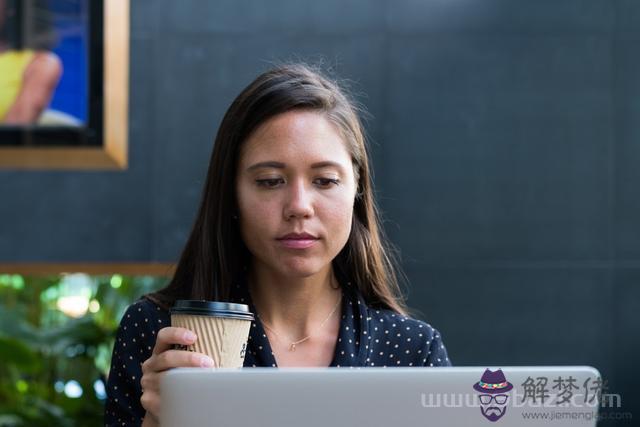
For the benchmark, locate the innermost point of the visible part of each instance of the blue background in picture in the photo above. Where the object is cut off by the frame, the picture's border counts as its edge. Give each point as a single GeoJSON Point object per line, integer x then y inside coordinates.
{"type": "Point", "coordinates": [70, 20]}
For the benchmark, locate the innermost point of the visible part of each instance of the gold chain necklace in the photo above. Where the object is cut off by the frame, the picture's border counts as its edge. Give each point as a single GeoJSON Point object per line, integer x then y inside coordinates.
{"type": "Point", "coordinates": [292, 346]}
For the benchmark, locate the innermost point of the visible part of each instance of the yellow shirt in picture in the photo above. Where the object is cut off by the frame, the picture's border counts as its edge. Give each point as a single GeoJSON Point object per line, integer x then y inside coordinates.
{"type": "Point", "coordinates": [12, 66]}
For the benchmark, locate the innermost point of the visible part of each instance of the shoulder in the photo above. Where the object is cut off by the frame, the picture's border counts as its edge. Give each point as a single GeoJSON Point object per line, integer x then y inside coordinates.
{"type": "Point", "coordinates": [45, 60]}
{"type": "Point", "coordinates": [44, 65]}
{"type": "Point", "coordinates": [140, 324]}
{"type": "Point", "coordinates": [401, 326]}
{"type": "Point", "coordinates": [405, 341]}
{"type": "Point", "coordinates": [145, 307]}
{"type": "Point", "coordinates": [144, 314]}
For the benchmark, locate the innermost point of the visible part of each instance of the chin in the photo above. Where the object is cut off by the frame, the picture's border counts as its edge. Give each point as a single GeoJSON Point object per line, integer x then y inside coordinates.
{"type": "Point", "coordinates": [299, 273]}
{"type": "Point", "coordinates": [301, 268]}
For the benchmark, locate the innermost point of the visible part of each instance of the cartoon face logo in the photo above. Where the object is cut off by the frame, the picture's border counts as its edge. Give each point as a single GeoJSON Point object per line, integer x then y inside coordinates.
{"type": "Point", "coordinates": [493, 389]}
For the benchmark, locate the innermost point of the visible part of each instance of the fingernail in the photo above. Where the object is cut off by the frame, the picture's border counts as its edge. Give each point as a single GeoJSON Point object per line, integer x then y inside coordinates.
{"type": "Point", "coordinates": [206, 362]}
{"type": "Point", "coordinates": [189, 336]}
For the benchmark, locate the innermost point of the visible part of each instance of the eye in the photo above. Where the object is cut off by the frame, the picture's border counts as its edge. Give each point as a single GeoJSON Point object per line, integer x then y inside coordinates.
{"type": "Point", "coordinates": [328, 182]}
{"type": "Point", "coordinates": [268, 183]}
{"type": "Point", "coordinates": [485, 399]}
{"type": "Point", "coordinates": [501, 399]}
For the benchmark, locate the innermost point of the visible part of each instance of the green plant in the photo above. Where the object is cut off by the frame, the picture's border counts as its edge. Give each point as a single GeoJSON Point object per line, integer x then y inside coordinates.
{"type": "Point", "coordinates": [47, 357]}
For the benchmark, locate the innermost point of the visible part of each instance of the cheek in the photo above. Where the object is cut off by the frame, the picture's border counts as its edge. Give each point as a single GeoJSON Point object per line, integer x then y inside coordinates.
{"type": "Point", "coordinates": [337, 219]}
{"type": "Point", "coordinates": [258, 216]}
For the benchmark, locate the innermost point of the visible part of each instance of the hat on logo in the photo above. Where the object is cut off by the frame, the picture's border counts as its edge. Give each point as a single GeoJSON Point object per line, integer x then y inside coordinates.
{"type": "Point", "coordinates": [493, 382]}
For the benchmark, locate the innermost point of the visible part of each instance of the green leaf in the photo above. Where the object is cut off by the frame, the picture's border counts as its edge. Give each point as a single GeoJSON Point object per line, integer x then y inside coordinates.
{"type": "Point", "coordinates": [16, 353]}
{"type": "Point", "coordinates": [10, 420]}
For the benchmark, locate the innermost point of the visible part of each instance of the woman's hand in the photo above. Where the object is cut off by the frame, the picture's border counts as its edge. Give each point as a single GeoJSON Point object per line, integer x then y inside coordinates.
{"type": "Point", "coordinates": [164, 357]}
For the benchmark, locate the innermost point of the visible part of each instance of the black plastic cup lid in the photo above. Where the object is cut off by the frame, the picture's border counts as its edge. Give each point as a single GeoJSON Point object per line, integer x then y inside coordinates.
{"type": "Point", "coordinates": [212, 308]}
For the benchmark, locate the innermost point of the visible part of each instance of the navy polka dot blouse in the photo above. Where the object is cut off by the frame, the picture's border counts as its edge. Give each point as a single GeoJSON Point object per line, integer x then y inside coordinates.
{"type": "Point", "coordinates": [368, 337]}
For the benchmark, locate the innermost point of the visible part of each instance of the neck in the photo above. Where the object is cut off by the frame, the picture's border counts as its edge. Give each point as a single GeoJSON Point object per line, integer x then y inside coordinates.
{"type": "Point", "coordinates": [294, 306]}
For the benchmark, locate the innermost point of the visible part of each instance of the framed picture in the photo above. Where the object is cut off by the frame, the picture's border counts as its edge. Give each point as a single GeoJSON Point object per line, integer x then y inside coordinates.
{"type": "Point", "coordinates": [64, 71]}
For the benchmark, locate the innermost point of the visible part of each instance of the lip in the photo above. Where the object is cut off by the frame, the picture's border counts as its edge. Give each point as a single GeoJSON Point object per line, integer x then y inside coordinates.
{"type": "Point", "coordinates": [298, 236]}
{"type": "Point", "coordinates": [297, 243]}
{"type": "Point", "coordinates": [302, 240]}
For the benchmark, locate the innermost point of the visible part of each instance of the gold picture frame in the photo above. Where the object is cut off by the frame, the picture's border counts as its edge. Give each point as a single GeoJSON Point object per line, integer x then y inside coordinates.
{"type": "Point", "coordinates": [113, 154]}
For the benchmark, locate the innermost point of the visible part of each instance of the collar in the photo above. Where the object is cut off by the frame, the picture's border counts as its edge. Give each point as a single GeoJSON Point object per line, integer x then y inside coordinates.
{"type": "Point", "coordinates": [353, 337]}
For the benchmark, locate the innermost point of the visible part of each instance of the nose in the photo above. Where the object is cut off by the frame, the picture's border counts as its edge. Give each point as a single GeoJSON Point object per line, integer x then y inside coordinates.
{"type": "Point", "coordinates": [299, 201]}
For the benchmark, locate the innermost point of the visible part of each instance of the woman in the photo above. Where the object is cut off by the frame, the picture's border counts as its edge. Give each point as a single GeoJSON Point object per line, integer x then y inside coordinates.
{"type": "Point", "coordinates": [289, 226]}
{"type": "Point", "coordinates": [28, 76]}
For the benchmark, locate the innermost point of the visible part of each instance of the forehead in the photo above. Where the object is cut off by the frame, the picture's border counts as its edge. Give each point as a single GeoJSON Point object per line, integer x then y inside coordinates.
{"type": "Point", "coordinates": [296, 136]}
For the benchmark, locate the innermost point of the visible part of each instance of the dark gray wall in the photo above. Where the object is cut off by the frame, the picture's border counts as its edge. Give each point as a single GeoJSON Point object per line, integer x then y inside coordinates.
{"type": "Point", "coordinates": [506, 144]}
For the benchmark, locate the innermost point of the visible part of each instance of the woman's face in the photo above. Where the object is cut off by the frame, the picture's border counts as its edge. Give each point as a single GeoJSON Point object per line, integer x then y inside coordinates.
{"type": "Point", "coordinates": [295, 175]}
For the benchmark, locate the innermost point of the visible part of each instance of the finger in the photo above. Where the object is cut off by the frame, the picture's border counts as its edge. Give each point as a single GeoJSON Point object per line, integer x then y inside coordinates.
{"type": "Point", "coordinates": [170, 335]}
{"type": "Point", "coordinates": [151, 403]}
{"type": "Point", "coordinates": [150, 382]}
{"type": "Point", "coordinates": [180, 359]}
{"type": "Point", "coordinates": [149, 420]}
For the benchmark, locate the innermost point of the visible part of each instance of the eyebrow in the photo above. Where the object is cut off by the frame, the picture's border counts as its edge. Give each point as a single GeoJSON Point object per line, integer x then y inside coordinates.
{"type": "Point", "coordinates": [280, 165]}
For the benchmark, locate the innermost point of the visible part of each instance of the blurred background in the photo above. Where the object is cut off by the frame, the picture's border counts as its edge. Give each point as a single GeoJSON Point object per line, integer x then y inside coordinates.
{"type": "Point", "coordinates": [505, 137]}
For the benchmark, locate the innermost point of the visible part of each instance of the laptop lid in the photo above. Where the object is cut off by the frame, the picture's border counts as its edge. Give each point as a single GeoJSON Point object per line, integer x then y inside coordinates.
{"type": "Point", "coordinates": [376, 397]}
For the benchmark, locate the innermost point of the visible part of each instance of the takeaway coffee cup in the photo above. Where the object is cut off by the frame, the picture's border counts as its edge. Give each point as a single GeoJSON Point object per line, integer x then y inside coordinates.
{"type": "Point", "coordinates": [222, 329]}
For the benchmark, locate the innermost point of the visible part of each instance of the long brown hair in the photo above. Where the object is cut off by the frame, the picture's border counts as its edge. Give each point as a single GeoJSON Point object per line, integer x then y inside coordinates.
{"type": "Point", "coordinates": [215, 256]}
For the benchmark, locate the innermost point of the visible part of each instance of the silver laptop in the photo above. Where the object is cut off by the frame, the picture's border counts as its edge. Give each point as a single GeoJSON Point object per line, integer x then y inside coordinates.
{"type": "Point", "coordinates": [377, 397]}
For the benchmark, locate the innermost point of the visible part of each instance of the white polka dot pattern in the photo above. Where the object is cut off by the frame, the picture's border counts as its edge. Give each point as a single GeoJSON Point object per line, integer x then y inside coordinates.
{"type": "Point", "coordinates": [368, 337]}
